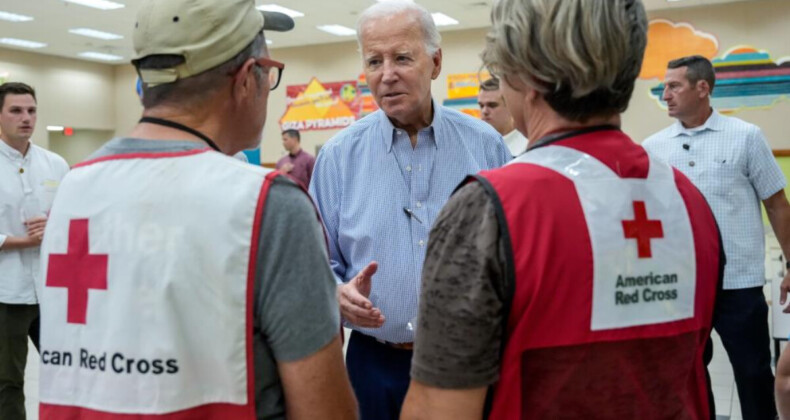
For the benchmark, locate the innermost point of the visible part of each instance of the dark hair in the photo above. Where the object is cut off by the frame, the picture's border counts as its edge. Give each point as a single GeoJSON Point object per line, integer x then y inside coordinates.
{"type": "Point", "coordinates": [293, 134]}
{"type": "Point", "coordinates": [697, 68]}
{"type": "Point", "coordinates": [490, 85]}
{"type": "Point", "coordinates": [197, 88]}
{"type": "Point", "coordinates": [15, 88]}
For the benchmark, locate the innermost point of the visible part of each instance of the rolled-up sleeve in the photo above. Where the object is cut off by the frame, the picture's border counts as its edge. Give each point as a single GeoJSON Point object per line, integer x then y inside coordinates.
{"type": "Point", "coordinates": [460, 320]}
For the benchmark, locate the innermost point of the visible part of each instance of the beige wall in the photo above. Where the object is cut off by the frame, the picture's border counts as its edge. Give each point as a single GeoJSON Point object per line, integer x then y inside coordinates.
{"type": "Point", "coordinates": [70, 92]}
{"type": "Point", "coordinates": [88, 95]}
{"type": "Point", "coordinates": [763, 25]}
{"type": "Point", "coordinates": [76, 148]}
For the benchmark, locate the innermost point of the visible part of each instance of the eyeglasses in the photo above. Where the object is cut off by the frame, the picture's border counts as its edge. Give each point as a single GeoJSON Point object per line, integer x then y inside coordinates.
{"type": "Point", "coordinates": [275, 70]}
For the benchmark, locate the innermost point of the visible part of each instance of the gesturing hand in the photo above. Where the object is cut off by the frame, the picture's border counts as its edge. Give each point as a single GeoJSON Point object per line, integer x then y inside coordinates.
{"type": "Point", "coordinates": [353, 296]}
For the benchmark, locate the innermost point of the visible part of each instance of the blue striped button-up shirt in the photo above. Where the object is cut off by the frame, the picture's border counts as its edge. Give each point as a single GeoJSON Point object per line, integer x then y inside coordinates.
{"type": "Point", "coordinates": [730, 162]}
{"type": "Point", "coordinates": [363, 179]}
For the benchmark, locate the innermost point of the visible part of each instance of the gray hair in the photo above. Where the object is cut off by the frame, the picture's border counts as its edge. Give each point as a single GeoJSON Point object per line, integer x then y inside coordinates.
{"type": "Point", "coordinates": [195, 90]}
{"type": "Point", "coordinates": [582, 55]}
{"type": "Point", "coordinates": [394, 7]}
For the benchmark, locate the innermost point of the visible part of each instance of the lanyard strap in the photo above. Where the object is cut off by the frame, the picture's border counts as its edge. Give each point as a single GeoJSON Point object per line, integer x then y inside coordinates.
{"type": "Point", "coordinates": [181, 127]}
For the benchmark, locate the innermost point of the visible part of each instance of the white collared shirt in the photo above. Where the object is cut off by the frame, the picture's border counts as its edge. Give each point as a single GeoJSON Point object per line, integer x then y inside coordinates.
{"type": "Point", "coordinates": [729, 160]}
{"type": "Point", "coordinates": [516, 142]}
{"type": "Point", "coordinates": [27, 189]}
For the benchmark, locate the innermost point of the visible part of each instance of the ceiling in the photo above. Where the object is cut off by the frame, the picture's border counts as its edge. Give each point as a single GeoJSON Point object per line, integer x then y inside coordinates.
{"type": "Point", "coordinates": [54, 18]}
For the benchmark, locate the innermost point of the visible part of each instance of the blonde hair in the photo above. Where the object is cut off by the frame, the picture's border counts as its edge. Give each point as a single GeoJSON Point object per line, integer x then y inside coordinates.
{"type": "Point", "coordinates": [582, 55]}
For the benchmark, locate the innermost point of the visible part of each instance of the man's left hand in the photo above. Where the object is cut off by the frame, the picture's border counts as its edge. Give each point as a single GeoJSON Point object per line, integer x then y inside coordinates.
{"type": "Point", "coordinates": [35, 227]}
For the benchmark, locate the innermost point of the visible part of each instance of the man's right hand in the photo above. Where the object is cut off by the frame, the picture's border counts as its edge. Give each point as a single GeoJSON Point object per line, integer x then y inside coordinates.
{"type": "Point", "coordinates": [353, 296]}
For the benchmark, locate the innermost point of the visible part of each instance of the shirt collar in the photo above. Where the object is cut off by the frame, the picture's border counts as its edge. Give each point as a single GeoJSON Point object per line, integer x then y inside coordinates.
{"type": "Point", "coordinates": [388, 130]}
{"type": "Point", "coordinates": [11, 152]}
{"type": "Point", "coordinates": [713, 123]}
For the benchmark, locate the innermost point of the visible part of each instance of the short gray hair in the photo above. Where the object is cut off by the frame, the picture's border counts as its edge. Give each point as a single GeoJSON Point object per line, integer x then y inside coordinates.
{"type": "Point", "coordinates": [582, 55]}
{"type": "Point", "coordinates": [193, 91]}
{"type": "Point", "coordinates": [394, 7]}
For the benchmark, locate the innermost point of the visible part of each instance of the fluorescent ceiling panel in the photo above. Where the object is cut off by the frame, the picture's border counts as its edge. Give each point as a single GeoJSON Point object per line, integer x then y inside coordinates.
{"type": "Point", "coordinates": [22, 43]}
{"type": "Point", "coordinates": [93, 33]}
{"type": "Point", "coordinates": [338, 30]}
{"type": "Point", "coordinates": [100, 56]}
{"type": "Point", "coordinates": [98, 4]}
{"type": "Point", "coordinates": [440, 19]}
{"type": "Point", "coordinates": [13, 17]}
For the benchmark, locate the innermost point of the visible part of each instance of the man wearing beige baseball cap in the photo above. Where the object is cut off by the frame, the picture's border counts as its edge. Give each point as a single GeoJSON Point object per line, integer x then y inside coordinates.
{"type": "Point", "coordinates": [180, 283]}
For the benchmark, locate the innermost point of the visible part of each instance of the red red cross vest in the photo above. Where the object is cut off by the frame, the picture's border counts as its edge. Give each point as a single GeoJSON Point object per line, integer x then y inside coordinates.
{"type": "Point", "coordinates": [146, 305]}
{"type": "Point", "coordinates": [614, 263]}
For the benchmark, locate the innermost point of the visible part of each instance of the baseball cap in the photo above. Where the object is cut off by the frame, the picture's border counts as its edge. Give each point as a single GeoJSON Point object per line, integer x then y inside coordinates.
{"type": "Point", "coordinates": [206, 33]}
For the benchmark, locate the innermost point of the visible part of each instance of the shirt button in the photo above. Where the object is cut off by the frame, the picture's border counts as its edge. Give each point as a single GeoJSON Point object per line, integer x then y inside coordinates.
{"type": "Point", "coordinates": [21, 170]}
{"type": "Point", "coordinates": [408, 168]}
{"type": "Point", "coordinates": [422, 243]}
{"type": "Point", "coordinates": [692, 164]}
{"type": "Point", "coordinates": [419, 204]}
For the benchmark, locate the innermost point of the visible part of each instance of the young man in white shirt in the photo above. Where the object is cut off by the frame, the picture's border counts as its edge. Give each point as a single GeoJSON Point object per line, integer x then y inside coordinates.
{"type": "Point", "coordinates": [29, 177]}
{"type": "Point", "coordinates": [493, 110]}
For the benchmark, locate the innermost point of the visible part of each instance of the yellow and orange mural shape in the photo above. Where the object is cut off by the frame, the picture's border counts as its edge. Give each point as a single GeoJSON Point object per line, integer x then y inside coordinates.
{"type": "Point", "coordinates": [667, 40]}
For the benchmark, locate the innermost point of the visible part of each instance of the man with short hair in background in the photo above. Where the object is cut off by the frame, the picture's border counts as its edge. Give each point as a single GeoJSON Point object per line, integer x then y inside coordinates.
{"type": "Point", "coordinates": [297, 163]}
{"type": "Point", "coordinates": [493, 110]}
{"type": "Point", "coordinates": [29, 177]}
{"type": "Point", "coordinates": [730, 161]}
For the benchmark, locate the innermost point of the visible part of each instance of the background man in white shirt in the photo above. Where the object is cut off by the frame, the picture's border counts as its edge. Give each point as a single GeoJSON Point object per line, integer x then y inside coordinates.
{"type": "Point", "coordinates": [493, 110]}
{"type": "Point", "coordinates": [29, 177]}
{"type": "Point", "coordinates": [731, 163]}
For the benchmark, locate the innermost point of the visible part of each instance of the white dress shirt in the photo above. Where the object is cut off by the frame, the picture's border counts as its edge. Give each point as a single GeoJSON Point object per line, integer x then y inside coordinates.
{"type": "Point", "coordinates": [729, 160]}
{"type": "Point", "coordinates": [516, 142]}
{"type": "Point", "coordinates": [27, 189]}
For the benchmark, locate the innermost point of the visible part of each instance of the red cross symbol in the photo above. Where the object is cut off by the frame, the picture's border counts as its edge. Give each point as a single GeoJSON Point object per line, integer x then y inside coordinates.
{"type": "Point", "coordinates": [78, 271]}
{"type": "Point", "coordinates": [642, 229]}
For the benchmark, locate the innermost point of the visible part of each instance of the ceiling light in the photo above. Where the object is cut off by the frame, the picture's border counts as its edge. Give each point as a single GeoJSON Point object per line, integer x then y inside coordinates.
{"type": "Point", "coordinates": [93, 33]}
{"type": "Point", "coordinates": [98, 4]}
{"type": "Point", "coordinates": [338, 30]}
{"type": "Point", "coordinates": [440, 19]}
{"type": "Point", "coordinates": [281, 9]}
{"type": "Point", "coordinates": [13, 17]}
{"type": "Point", "coordinates": [100, 56]}
{"type": "Point", "coordinates": [55, 128]}
{"type": "Point", "coordinates": [22, 43]}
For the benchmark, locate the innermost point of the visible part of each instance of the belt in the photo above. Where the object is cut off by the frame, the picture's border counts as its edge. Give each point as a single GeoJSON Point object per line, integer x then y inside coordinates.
{"type": "Point", "coordinates": [399, 346]}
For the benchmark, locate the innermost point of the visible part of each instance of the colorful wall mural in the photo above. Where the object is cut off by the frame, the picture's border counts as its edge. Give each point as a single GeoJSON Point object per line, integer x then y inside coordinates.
{"type": "Point", "coordinates": [746, 77]}
{"type": "Point", "coordinates": [462, 92]}
{"type": "Point", "coordinates": [326, 106]}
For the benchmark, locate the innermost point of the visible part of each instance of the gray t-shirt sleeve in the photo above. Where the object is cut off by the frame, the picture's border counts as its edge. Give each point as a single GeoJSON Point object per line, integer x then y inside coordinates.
{"type": "Point", "coordinates": [296, 306]}
{"type": "Point", "coordinates": [460, 321]}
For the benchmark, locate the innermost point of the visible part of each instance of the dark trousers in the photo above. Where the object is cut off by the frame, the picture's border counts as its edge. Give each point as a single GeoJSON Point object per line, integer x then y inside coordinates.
{"type": "Point", "coordinates": [741, 319]}
{"type": "Point", "coordinates": [17, 323]}
{"type": "Point", "coordinates": [379, 375]}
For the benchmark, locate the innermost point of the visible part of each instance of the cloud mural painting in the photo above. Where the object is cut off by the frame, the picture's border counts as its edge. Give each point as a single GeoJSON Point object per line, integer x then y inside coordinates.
{"type": "Point", "coordinates": [668, 40]}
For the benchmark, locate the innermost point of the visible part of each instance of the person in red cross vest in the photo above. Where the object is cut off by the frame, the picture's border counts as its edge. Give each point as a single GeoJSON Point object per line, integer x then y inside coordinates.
{"type": "Point", "coordinates": [578, 281]}
{"type": "Point", "coordinates": [180, 283]}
